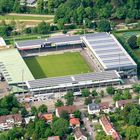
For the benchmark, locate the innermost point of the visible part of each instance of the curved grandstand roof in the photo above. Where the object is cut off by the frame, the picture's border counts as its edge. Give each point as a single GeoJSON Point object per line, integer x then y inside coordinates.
{"type": "Point", "coordinates": [13, 67]}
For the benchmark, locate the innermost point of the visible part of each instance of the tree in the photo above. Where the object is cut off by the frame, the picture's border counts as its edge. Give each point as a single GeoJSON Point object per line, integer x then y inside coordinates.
{"type": "Point", "coordinates": [69, 137]}
{"type": "Point", "coordinates": [16, 7]}
{"type": "Point", "coordinates": [94, 93]}
{"type": "Point", "coordinates": [126, 95]}
{"type": "Point", "coordinates": [69, 98]}
{"type": "Point", "coordinates": [65, 115]}
{"type": "Point", "coordinates": [104, 26]}
{"type": "Point", "coordinates": [24, 112]}
{"type": "Point", "coordinates": [138, 41]}
{"type": "Point", "coordinates": [34, 110]}
{"type": "Point", "coordinates": [117, 96]}
{"type": "Point", "coordinates": [110, 90]}
{"type": "Point", "coordinates": [77, 114]}
{"type": "Point", "coordinates": [132, 41]}
{"type": "Point", "coordinates": [85, 92]}
{"type": "Point", "coordinates": [136, 88]}
{"type": "Point", "coordinates": [88, 100]}
{"type": "Point", "coordinates": [60, 127]}
{"type": "Point", "coordinates": [132, 132]}
{"type": "Point", "coordinates": [43, 28]}
{"type": "Point", "coordinates": [40, 6]}
{"type": "Point", "coordinates": [48, 132]}
{"type": "Point", "coordinates": [43, 109]}
{"type": "Point", "coordinates": [59, 103]}
{"type": "Point", "coordinates": [97, 100]}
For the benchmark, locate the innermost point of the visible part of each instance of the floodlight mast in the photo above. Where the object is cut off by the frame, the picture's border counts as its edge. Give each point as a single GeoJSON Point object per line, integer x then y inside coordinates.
{"type": "Point", "coordinates": [119, 62]}
{"type": "Point", "coordinates": [22, 80]}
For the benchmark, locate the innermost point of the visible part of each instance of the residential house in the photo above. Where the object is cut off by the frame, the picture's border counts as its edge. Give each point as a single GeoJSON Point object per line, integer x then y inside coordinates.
{"type": "Point", "coordinates": [69, 109]}
{"type": "Point", "coordinates": [106, 107]}
{"type": "Point", "coordinates": [29, 3]}
{"type": "Point", "coordinates": [54, 138]}
{"type": "Point", "coordinates": [48, 117]}
{"type": "Point", "coordinates": [108, 128]}
{"type": "Point", "coordinates": [8, 121]}
{"type": "Point", "coordinates": [28, 119]}
{"type": "Point", "coordinates": [122, 103]}
{"type": "Point", "coordinates": [74, 122]}
{"type": "Point", "coordinates": [93, 108]}
{"type": "Point", "coordinates": [79, 134]}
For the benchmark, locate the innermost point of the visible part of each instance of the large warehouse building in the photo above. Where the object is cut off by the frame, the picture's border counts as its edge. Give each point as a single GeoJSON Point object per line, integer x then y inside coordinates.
{"type": "Point", "coordinates": [104, 49]}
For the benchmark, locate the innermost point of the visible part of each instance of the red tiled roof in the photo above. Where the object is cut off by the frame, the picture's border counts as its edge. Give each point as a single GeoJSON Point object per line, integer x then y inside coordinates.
{"type": "Point", "coordinates": [104, 105]}
{"type": "Point", "coordinates": [78, 132]}
{"type": "Point", "coordinates": [16, 117]}
{"type": "Point", "coordinates": [123, 102]}
{"type": "Point", "coordinates": [69, 109]}
{"type": "Point", "coordinates": [48, 116]}
{"type": "Point", "coordinates": [54, 138]}
{"type": "Point", "coordinates": [115, 136]}
{"type": "Point", "coordinates": [109, 128]}
{"type": "Point", "coordinates": [74, 121]}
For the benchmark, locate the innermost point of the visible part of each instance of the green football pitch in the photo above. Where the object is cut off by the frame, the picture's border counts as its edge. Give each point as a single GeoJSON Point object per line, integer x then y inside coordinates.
{"type": "Point", "coordinates": [57, 65]}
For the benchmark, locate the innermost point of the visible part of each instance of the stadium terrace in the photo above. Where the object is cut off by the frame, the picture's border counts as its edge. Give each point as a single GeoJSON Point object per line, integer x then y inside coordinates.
{"type": "Point", "coordinates": [113, 63]}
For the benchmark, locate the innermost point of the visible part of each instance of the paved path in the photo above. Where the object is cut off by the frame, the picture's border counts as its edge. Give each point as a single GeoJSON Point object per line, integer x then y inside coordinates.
{"type": "Point", "coordinates": [33, 15]}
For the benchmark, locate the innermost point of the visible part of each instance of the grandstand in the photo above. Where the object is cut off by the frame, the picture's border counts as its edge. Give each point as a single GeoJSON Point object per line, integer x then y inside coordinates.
{"type": "Point", "coordinates": [104, 48]}
{"type": "Point", "coordinates": [13, 68]}
{"type": "Point", "coordinates": [65, 83]}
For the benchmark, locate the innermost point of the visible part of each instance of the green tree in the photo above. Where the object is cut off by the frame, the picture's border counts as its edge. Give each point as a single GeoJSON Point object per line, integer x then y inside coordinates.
{"type": "Point", "coordinates": [40, 6]}
{"type": "Point", "coordinates": [104, 25]}
{"type": "Point", "coordinates": [69, 98]}
{"type": "Point", "coordinates": [85, 92]}
{"type": "Point", "coordinates": [34, 110]}
{"type": "Point", "coordinates": [126, 94]}
{"type": "Point", "coordinates": [77, 114]}
{"type": "Point", "coordinates": [97, 100]}
{"type": "Point", "coordinates": [60, 127]}
{"type": "Point", "coordinates": [136, 88]}
{"type": "Point", "coordinates": [48, 132]}
{"type": "Point", "coordinates": [132, 41]}
{"type": "Point", "coordinates": [88, 100]}
{"type": "Point", "coordinates": [132, 132]}
{"type": "Point", "coordinates": [43, 28]}
{"type": "Point", "coordinates": [70, 137]}
{"type": "Point", "coordinates": [110, 90]}
{"type": "Point", "coordinates": [16, 7]}
{"type": "Point", "coordinates": [59, 103]}
{"type": "Point", "coordinates": [65, 115]}
{"type": "Point", "coordinates": [94, 93]}
{"type": "Point", "coordinates": [43, 109]}
{"type": "Point", "coordinates": [24, 112]}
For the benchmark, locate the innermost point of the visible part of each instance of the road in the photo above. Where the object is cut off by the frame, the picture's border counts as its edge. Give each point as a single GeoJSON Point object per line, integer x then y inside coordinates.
{"type": "Point", "coordinates": [89, 126]}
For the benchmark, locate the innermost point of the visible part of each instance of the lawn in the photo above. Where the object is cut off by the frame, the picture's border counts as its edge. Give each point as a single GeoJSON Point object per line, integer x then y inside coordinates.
{"type": "Point", "coordinates": [57, 65]}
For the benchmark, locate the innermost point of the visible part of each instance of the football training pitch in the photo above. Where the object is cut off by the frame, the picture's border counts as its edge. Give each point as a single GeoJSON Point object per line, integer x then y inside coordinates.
{"type": "Point", "coordinates": [57, 65]}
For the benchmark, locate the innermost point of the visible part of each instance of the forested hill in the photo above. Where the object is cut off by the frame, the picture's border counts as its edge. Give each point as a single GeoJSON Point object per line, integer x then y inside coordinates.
{"type": "Point", "coordinates": [75, 11]}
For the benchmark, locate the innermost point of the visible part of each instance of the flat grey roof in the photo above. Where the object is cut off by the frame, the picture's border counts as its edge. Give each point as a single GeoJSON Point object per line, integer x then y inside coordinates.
{"type": "Point", "coordinates": [108, 50]}
{"type": "Point", "coordinates": [13, 67]}
{"type": "Point", "coordinates": [26, 43]}
{"type": "Point", "coordinates": [93, 106]}
{"type": "Point", "coordinates": [58, 81]}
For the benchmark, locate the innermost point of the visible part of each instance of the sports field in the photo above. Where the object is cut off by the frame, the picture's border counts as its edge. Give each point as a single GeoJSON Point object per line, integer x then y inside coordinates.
{"type": "Point", "coordinates": [57, 65]}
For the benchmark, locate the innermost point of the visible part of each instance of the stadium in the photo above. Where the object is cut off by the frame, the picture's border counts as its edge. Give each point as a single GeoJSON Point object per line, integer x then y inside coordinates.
{"type": "Point", "coordinates": [57, 64]}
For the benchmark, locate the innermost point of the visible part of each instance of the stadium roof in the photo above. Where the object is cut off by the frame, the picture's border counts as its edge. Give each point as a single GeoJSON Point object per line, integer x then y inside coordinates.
{"type": "Point", "coordinates": [29, 43]}
{"type": "Point", "coordinates": [108, 50]}
{"type": "Point", "coordinates": [13, 67]}
{"type": "Point", "coordinates": [76, 79]}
